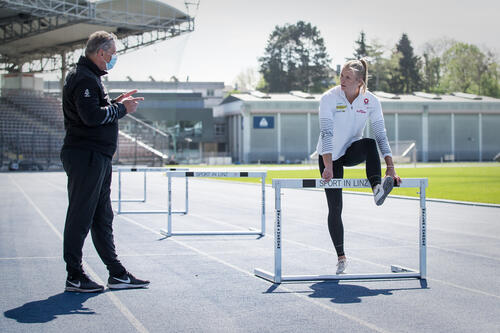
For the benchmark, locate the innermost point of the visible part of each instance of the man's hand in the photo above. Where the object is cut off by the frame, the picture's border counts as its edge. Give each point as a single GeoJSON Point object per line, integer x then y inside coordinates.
{"type": "Point", "coordinates": [131, 103]}
{"type": "Point", "coordinates": [125, 95]}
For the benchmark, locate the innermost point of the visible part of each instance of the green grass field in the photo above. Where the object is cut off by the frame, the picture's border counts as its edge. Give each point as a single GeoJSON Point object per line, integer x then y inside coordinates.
{"type": "Point", "coordinates": [469, 182]}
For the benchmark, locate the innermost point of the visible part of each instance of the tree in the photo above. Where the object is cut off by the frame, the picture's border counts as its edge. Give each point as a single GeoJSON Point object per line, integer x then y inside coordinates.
{"type": "Point", "coordinates": [295, 58]}
{"type": "Point", "coordinates": [432, 66]}
{"type": "Point", "coordinates": [362, 49]}
{"type": "Point", "coordinates": [432, 73]}
{"type": "Point", "coordinates": [247, 79]}
{"type": "Point", "coordinates": [490, 82]}
{"type": "Point", "coordinates": [467, 69]}
{"type": "Point", "coordinates": [395, 79]}
{"type": "Point", "coordinates": [409, 65]}
{"type": "Point", "coordinates": [377, 70]}
{"type": "Point", "coordinates": [461, 63]}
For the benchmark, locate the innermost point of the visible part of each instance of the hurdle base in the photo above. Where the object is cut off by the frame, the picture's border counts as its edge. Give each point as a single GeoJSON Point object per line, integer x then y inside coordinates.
{"type": "Point", "coordinates": [401, 269]}
{"type": "Point", "coordinates": [128, 200]}
{"type": "Point", "coordinates": [411, 274]}
{"type": "Point", "coordinates": [209, 233]}
{"type": "Point", "coordinates": [150, 212]}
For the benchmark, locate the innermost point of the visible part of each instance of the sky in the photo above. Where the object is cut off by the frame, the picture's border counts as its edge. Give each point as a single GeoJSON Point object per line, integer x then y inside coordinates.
{"type": "Point", "coordinates": [230, 35]}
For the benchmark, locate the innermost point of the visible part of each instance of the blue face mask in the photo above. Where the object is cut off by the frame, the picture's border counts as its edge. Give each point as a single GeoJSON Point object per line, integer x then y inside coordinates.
{"type": "Point", "coordinates": [112, 62]}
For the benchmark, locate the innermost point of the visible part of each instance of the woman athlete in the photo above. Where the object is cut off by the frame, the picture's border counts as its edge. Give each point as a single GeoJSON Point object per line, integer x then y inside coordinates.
{"type": "Point", "coordinates": [343, 113]}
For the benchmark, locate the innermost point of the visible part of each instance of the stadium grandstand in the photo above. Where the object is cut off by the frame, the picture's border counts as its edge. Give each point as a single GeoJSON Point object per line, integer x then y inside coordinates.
{"type": "Point", "coordinates": [49, 35]}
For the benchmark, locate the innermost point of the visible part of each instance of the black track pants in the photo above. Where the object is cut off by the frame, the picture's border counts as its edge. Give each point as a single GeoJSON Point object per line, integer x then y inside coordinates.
{"type": "Point", "coordinates": [360, 151]}
{"type": "Point", "coordinates": [89, 189]}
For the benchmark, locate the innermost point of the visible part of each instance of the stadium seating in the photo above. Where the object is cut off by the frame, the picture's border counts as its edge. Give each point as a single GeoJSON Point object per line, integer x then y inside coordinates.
{"type": "Point", "coordinates": [32, 128]}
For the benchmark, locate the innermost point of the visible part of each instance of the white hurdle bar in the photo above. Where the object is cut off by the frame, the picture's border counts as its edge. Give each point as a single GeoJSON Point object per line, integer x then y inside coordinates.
{"type": "Point", "coordinates": [210, 174]}
{"type": "Point", "coordinates": [397, 271]}
{"type": "Point", "coordinates": [145, 170]}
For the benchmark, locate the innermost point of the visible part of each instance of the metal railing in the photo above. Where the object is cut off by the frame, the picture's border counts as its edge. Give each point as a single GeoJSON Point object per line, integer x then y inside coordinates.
{"type": "Point", "coordinates": [30, 151]}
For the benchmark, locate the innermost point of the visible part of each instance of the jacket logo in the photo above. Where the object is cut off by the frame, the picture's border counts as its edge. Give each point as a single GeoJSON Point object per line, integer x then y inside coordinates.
{"type": "Point", "coordinates": [86, 93]}
{"type": "Point", "coordinates": [341, 107]}
{"type": "Point", "coordinates": [360, 111]}
{"type": "Point", "coordinates": [366, 100]}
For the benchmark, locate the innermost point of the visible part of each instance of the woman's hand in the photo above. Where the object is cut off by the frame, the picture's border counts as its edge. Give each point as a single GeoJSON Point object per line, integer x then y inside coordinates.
{"type": "Point", "coordinates": [390, 171]}
{"type": "Point", "coordinates": [327, 174]}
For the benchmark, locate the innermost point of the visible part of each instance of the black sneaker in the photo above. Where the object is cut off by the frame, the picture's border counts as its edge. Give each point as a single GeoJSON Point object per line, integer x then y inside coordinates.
{"type": "Point", "coordinates": [82, 284]}
{"type": "Point", "coordinates": [126, 281]}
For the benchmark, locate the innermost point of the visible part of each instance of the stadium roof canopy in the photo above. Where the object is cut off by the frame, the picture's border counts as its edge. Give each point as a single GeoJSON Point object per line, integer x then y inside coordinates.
{"type": "Point", "coordinates": [41, 34]}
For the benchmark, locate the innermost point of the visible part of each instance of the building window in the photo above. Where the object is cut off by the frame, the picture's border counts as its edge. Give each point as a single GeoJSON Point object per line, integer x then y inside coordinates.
{"type": "Point", "coordinates": [220, 129]}
{"type": "Point", "coordinates": [210, 92]}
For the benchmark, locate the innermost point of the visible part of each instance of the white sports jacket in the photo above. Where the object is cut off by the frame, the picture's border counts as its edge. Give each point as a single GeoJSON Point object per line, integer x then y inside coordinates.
{"type": "Point", "coordinates": [342, 123]}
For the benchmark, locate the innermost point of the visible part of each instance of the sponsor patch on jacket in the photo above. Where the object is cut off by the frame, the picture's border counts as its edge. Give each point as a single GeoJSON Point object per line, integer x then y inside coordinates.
{"type": "Point", "coordinates": [360, 111]}
{"type": "Point", "coordinates": [341, 108]}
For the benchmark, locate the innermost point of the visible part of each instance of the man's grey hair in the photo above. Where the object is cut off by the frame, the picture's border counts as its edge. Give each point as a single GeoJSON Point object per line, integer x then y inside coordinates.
{"type": "Point", "coordinates": [99, 40]}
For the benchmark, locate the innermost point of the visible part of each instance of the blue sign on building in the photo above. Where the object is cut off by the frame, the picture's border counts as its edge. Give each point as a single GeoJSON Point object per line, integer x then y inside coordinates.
{"type": "Point", "coordinates": [263, 122]}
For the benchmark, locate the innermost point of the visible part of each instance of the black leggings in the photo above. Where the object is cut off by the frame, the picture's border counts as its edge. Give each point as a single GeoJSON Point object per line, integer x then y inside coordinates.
{"type": "Point", "coordinates": [358, 152]}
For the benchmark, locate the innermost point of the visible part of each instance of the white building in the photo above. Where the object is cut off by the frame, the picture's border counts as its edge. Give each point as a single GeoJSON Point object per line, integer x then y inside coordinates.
{"type": "Point", "coordinates": [284, 127]}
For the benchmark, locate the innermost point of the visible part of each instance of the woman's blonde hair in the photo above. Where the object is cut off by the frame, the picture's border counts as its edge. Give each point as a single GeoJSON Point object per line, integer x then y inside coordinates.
{"type": "Point", "coordinates": [360, 68]}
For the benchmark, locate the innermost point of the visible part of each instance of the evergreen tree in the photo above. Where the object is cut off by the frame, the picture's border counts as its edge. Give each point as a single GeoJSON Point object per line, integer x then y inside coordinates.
{"type": "Point", "coordinates": [295, 58]}
{"type": "Point", "coordinates": [409, 66]}
{"type": "Point", "coordinates": [362, 49]}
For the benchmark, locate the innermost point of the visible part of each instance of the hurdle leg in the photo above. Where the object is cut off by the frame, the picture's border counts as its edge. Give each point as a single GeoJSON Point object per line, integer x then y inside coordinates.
{"type": "Point", "coordinates": [169, 230]}
{"type": "Point", "coordinates": [277, 236]}
{"type": "Point", "coordinates": [119, 191]}
{"type": "Point", "coordinates": [144, 196]}
{"type": "Point", "coordinates": [263, 208]}
{"type": "Point", "coordinates": [186, 195]}
{"type": "Point", "coordinates": [423, 231]}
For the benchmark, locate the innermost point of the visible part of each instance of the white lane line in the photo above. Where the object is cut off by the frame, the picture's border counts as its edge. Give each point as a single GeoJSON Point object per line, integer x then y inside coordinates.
{"type": "Point", "coordinates": [410, 244]}
{"type": "Point", "coordinates": [311, 247]}
{"type": "Point", "coordinates": [385, 266]}
{"type": "Point", "coordinates": [358, 259]}
{"type": "Point", "coordinates": [225, 263]}
{"type": "Point", "coordinates": [463, 253]}
{"type": "Point", "coordinates": [121, 256]}
{"type": "Point", "coordinates": [28, 258]}
{"type": "Point", "coordinates": [114, 299]}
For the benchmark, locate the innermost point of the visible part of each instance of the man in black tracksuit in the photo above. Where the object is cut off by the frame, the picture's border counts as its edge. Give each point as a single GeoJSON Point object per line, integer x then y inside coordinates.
{"type": "Point", "coordinates": [91, 123]}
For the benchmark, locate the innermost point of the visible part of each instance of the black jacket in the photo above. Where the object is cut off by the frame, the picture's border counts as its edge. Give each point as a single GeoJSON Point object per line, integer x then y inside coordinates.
{"type": "Point", "coordinates": [90, 117]}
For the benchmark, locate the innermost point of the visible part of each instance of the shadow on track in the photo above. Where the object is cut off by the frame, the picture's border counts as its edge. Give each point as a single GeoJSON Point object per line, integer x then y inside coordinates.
{"type": "Point", "coordinates": [46, 310]}
{"type": "Point", "coordinates": [349, 293]}
{"type": "Point", "coordinates": [341, 293]}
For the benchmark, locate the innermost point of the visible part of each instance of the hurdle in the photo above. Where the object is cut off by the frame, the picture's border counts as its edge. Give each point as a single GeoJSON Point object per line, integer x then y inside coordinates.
{"type": "Point", "coordinates": [210, 174]}
{"type": "Point", "coordinates": [397, 272]}
{"type": "Point", "coordinates": [145, 170]}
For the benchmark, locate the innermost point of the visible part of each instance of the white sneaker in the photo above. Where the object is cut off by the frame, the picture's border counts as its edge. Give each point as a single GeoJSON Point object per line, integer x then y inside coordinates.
{"type": "Point", "coordinates": [381, 191]}
{"type": "Point", "coordinates": [341, 265]}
